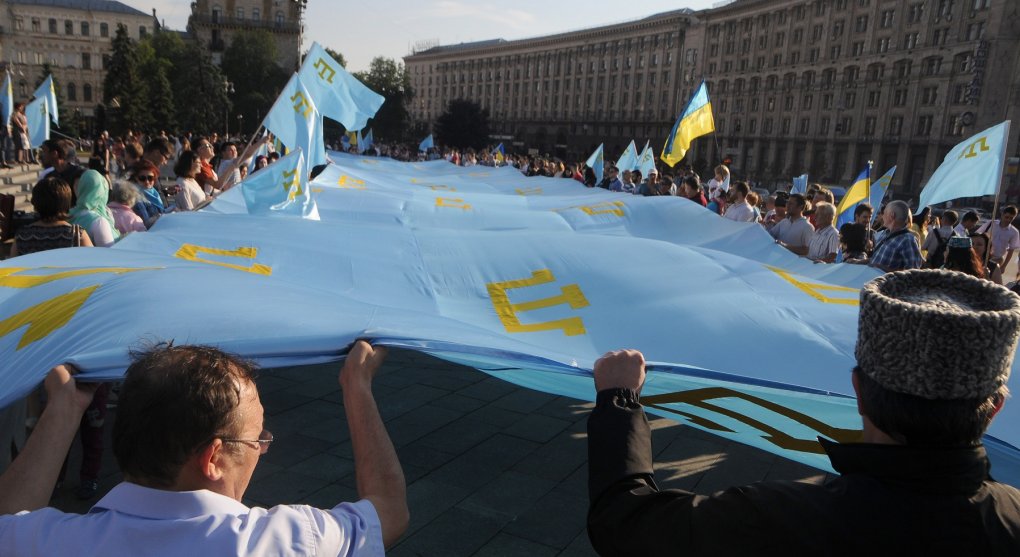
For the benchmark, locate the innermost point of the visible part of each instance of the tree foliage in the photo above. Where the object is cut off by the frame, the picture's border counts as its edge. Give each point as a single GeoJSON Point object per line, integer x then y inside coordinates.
{"type": "Point", "coordinates": [162, 83]}
{"type": "Point", "coordinates": [390, 79]}
{"type": "Point", "coordinates": [250, 64]}
{"type": "Point", "coordinates": [464, 124]}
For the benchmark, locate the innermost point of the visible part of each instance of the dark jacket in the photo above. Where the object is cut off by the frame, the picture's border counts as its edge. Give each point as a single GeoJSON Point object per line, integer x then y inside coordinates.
{"type": "Point", "coordinates": [889, 500]}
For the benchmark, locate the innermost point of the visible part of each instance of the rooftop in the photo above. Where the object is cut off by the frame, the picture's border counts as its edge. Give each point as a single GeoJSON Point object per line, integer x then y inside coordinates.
{"type": "Point", "coordinates": [89, 5]}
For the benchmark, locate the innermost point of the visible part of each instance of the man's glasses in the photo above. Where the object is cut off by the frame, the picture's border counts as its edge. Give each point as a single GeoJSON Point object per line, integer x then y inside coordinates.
{"type": "Point", "coordinates": [146, 178]}
{"type": "Point", "coordinates": [264, 440]}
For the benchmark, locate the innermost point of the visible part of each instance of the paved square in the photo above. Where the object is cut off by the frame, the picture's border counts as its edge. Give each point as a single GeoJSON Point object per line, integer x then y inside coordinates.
{"type": "Point", "coordinates": [492, 468]}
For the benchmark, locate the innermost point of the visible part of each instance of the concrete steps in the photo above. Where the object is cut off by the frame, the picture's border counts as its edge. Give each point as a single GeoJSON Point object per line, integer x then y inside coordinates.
{"type": "Point", "coordinates": [19, 182]}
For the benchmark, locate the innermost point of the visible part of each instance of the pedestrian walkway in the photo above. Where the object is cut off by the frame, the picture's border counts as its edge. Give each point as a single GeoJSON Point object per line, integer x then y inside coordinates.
{"type": "Point", "coordinates": [492, 468]}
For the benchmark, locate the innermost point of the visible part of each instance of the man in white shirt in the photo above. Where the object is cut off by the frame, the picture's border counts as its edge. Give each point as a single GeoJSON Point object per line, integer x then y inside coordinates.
{"type": "Point", "coordinates": [188, 435]}
{"type": "Point", "coordinates": [825, 241]}
{"type": "Point", "coordinates": [738, 208]}
{"type": "Point", "coordinates": [228, 152]}
{"type": "Point", "coordinates": [794, 232]}
{"type": "Point", "coordinates": [1005, 236]}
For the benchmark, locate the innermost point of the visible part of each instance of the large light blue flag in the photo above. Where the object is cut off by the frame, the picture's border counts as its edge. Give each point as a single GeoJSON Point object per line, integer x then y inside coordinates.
{"type": "Point", "coordinates": [426, 143]}
{"type": "Point", "coordinates": [338, 94]}
{"type": "Point", "coordinates": [878, 191]}
{"type": "Point", "coordinates": [646, 162]}
{"type": "Point", "coordinates": [281, 189]}
{"type": "Point", "coordinates": [628, 160]}
{"type": "Point", "coordinates": [596, 162]}
{"type": "Point", "coordinates": [38, 122]}
{"type": "Point", "coordinates": [527, 279]}
{"type": "Point", "coordinates": [971, 169]}
{"type": "Point", "coordinates": [47, 91]}
{"type": "Point", "coordinates": [799, 184]}
{"type": "Point", "coordinates": [295, 120]}
{"type": "Point", "coordinates": [6, 99]}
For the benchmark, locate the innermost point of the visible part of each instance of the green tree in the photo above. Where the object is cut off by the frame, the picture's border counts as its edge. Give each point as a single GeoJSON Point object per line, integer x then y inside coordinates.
{"type": "Point", "coordinates": [464, 124]}
{"type": "Point", "coordinates": [390, 79]}
{"type": "Point", "coordinates": [337, 56]}
{"type": "Point", "coordinates": [250, 64]}
{"type": "Point", "coordinates": [123, 89]}
{"type": "Point", "coordinates": [159, 91]}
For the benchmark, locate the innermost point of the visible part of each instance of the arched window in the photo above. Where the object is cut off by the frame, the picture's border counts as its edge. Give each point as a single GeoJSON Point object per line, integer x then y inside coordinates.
{"type": "Point", "coordinates": [86, 93]}
{"type": "Point", "coordinates": [279, 19]}
{"type": "Point", "coordinates": [72, 92]}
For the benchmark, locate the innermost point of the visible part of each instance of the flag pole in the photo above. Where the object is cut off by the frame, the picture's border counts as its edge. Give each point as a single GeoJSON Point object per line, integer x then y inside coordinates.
{"type": "Point", "coordinates": [995, 202]}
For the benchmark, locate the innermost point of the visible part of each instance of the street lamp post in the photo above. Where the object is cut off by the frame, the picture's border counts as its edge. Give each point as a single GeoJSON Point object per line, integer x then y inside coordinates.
{"type": "Point", "coordinates": [240, 127]}
{"type": "Point", "coordinates": [228, 89]}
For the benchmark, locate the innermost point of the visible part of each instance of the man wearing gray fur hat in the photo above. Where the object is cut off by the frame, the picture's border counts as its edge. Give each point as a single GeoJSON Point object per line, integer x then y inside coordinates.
{"type": "Point", "coordinates": [934, 353]}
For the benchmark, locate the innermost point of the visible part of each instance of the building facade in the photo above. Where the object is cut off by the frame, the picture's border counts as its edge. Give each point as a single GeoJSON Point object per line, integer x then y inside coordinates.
{"type": "Point", "coordinates": [815, 86]}
{"type": "Point", "coordinates": [562, 94]}
{"type": "Point", "coordinates": [74, 37]}
{"type": "Point", "coordinates": [215, 22]}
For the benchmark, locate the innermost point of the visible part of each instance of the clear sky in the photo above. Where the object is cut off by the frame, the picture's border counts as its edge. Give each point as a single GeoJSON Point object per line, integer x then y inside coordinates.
{"type": "Point", "coordinates": [364, 29]}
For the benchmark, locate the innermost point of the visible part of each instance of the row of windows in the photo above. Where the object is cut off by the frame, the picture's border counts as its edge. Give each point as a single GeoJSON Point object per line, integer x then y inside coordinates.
{"type": "Point", "coordinates": [844, 126]}
{"type": "Point", "coordinates": [256, 15]}
{"type": "Point", "coordinates": [70, 90]}
{"type": "Point", "coordinates": [84, 27]}
{"type": "Point", "coordinates": [929, 96]}
{"type": "Point", "coordinates": [911, 40]}
{"type": "Point", "coordinates": [915, 14]}
{"type": "Point", "coordinates": [70, 60]}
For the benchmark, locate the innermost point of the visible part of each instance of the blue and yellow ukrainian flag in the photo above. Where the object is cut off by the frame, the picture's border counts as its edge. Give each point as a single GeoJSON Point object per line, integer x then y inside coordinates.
{"type": "Point", "coordinates": [695, 121]}
{"type": "Point", "coordinates": [858, 192]}
{"type": "Point", "coordinates": [499, 153]}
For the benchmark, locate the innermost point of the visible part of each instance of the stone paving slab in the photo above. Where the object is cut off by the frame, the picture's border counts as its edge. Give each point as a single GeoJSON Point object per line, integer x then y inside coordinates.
{"type": "Point", "coordinates": [492, 469]}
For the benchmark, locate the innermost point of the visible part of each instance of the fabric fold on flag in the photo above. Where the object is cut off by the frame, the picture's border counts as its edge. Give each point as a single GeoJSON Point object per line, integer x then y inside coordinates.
{"type": "Point", "coordinates": [971, 169]}
{"type": "Point", "coordinates": [338, 94]}
{"type": "Point", "coordinates": [695, 121]}
{"type": "Point", "coordinates": [281, 189]}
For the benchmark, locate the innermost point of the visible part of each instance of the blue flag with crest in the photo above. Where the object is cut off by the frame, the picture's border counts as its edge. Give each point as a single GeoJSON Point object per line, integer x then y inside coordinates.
{"type": "Point", "coordinates": [47, 91]}
{"type": "Point", "coordinates": [426, 143]}
{"type": "Point", "coordinates": [281, 189]}
{"type": "Point", "coordinates": [295, 120]}
{"type": "Point", "coordinates": [338, 94]}
{"type": "Point", "coordinates": [596, 162]}
{"type": "Point", "coordinates": [971, 169]}
{"type": "Point", "coordinates": [38, 122]}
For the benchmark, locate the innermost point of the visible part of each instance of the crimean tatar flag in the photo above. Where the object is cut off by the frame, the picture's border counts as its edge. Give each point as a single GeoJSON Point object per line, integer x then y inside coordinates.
{"type": "Point", "coordinates": [596, 162]}
{"type": "Point", "coordinates": [858, 192]}
{"type": "Point", "coordinates": [7, 98]}
{"type": "Point", "coordinates": [971, 169]}
{"type": "Point", "coordinates": [47, 91]}
{"type": "Point", "coordinates": [695, 121]}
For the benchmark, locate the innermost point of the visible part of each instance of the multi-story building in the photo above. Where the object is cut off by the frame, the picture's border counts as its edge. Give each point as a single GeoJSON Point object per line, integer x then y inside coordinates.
{"type": "Point", "coordinates": [215, 22]}
{"type": "Point", "coordinates": [74, 38]}
{"type": "Point", "coordinates": [565, 93]}
{"type": "Point", "coordinates": [816, 86]}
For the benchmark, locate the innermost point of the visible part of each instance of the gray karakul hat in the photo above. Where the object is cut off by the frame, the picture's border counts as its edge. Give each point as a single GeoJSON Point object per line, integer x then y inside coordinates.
{"type": "Point", "coordinates": [939, 335]}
